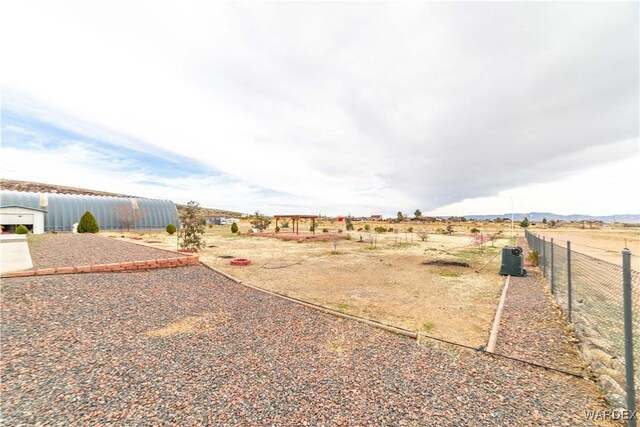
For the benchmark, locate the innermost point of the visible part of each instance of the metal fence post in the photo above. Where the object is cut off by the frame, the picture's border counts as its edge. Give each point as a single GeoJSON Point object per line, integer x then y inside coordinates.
{"type": "Point", "coordinates": [553, 284]}
{"type": "Point", "coordinates": [569, 278]}
{"type": "Point", "coordinates": [628, 334]}
{"type": "Point", "coordinates": [544, 256]}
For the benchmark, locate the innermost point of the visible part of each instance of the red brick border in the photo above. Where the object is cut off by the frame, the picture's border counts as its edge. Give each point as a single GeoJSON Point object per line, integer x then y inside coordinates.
{"type": "Point", "coordinates": [119, 267]}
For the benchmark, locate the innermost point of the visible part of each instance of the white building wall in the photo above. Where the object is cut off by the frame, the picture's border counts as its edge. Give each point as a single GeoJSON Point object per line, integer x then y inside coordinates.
{"type": "Point", "coordinates": [17, 216]}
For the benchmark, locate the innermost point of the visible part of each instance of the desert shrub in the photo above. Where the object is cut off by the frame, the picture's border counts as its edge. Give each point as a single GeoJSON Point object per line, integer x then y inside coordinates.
{"type": "Point", "coordinates": [380, 229]}
{"type": "Point", "coordinates": [325, 230]}
{"type": "Point", "coordinates": [449, 229]}
{"type": "Point", "coordinates": [347, 237]}
{"type": "Point", "coordinates": [311, 228]}
{"type": "Point", "coordinates": [390, 229]}
{"type": "Point", "coordinates": [525, 223]}
{"type": "Point", "coordinates": [339, 230]}
{"type": "Point", "coordinates": [21, 229]}
{"type": "Point", "coordinates": [88, 223]}
{"type": "Point", "coordinates": [359, 228]}
{"type": "Point", "coordinates": [367, 227]}
{"type": "Point", "coordinates": [474, 230]}
{"type": "Point", "coordinates": [349, 224]}
{"type": "Point", "coordinates": [534, 258]}
{"type": "Point", "coordinates": [410, 230]}
{"type": "Point", "coordinates": [234, 227]}
{"type": "Point", "coordinates": [423, 235]}
{"type": "Point", "coordinates": [170, 229]}
{"type": "Point", "coordinates": [260, 222]}
{"type": "Point", "coordinates": [277, 229]}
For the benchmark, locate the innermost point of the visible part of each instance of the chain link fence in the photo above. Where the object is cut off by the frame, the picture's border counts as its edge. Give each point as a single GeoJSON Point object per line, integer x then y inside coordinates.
{"type": "Point", "coordinates": [591, 293]}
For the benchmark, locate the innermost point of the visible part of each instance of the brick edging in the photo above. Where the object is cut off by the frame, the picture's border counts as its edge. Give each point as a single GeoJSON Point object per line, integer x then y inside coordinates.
{"type": "Point", "coordinates": [114, 267]}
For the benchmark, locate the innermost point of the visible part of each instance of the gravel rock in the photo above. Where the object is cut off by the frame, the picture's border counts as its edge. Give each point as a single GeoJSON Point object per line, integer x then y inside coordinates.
{"type": "Point", "coordinates": [70, 250]}
{"type": "Point", "coordinates": [185, 346]}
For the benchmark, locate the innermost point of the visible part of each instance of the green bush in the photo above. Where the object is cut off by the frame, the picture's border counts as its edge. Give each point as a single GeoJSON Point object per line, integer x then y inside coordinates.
{"type": "Point", "coordinates": [234, 227]}
{"type": "Point", "coordinates": [171, 229]}
{"type": "Point", "coordinates": [474, 230]}
{"type": "Point", "coordinates": [277, 229]}
{"type": "Point", "coordinates": [325, 230]}
{"type": "Point", "coordinates": [88, 223]}
{"type": "Point", "coordinates": [21, 229]}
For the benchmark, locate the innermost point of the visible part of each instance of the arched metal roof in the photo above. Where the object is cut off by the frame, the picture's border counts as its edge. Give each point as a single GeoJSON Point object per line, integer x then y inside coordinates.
{"type": "Point", "coordinates": [112, 213]}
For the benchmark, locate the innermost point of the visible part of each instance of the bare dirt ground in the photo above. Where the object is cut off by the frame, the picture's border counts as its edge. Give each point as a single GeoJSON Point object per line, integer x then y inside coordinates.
{"type": "Point", "coordinates": [604, 243]}
{"type": "Point", "coordinates": [383, 280]}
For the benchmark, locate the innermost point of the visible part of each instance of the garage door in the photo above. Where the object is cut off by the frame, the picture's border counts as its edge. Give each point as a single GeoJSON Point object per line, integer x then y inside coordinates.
{"type": "Point", "coordinates": [16, 219]}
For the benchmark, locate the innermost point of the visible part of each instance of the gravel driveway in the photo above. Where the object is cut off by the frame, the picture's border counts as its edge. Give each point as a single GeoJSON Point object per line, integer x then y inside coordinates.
{"type": "Point", "coordinates": [185, 346]}
{"type": "Point", "coordinates": [70, 250]}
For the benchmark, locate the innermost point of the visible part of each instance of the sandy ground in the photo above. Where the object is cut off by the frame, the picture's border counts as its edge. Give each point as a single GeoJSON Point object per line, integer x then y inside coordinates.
{"type": "Point", "coordinates": [384, 280]}
{"type": "Point", "coordinates": [605, 243]}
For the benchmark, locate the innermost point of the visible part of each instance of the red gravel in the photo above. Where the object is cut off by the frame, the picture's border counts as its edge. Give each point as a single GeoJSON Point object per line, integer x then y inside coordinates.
{"type": "Point", "coordinates": [532, 326]}
{"type": "Point", "coordinates": [69, 250]}
{"type": "Point", "coordinates": [75, 351]}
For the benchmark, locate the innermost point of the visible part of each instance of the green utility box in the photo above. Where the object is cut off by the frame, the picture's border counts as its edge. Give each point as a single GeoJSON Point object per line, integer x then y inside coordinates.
{"type": "Point", "coordinates": [512, 261]}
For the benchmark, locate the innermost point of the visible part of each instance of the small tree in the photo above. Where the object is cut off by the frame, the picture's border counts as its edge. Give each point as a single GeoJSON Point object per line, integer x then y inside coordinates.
{"type": "Point", "coordinates": [234, 227]}
{"type": "Point", "coordinates": [400, 217]}
{"type": "Point", "coordinates": [171, 229]}
{"type": "Point", "coordinates": [544, 220]}
{"type": "Point", "coordinates": [21, 229]}
{"type": "Point", "coordinates": [260, 222]}
{"type": "Point", "coordinates": [554, 223]}
{"type": "Point", "coordinates": [449, 229]}
{"type": "Point", "coordinates": [128, 216]}
{"type": "Point", "coordinates": [493, 237]}
{"type": "Point", "coordinates": [418, 214]}
{"type": "Point", "coordinates": [479, 239]}
{"type": "Point", "coordinates": [525, 223]}
{"type": "Point", "coordinates": [88, 223]}
{"type": "Point", "coordinates": [193, 226]}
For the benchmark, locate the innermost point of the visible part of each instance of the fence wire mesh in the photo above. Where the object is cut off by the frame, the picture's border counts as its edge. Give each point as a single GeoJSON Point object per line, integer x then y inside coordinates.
{"type": "Point", "coordinates": [596, 306]}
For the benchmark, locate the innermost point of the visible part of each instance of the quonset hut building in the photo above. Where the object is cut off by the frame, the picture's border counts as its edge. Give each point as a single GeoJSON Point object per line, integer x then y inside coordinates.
{"type": "Point", "coordinates": [42, 212]}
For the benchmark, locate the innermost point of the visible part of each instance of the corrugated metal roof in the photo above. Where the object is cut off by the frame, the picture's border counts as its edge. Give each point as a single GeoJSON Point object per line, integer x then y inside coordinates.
{"type": "Point", "coordinates": [112, 213]}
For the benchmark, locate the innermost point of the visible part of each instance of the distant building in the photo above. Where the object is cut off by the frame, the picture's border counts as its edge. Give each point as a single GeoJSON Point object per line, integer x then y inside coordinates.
{"type": "Point", "coordinates": [376, 217]}
{"type": "Point", "coordinates": [43, 212]}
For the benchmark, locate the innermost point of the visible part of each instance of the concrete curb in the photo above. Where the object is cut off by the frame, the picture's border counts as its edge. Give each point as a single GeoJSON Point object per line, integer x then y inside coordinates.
{"type": "Point", "coordinates": [493, 336]}
{"type": "Point", "coordinates": [373, 323]}
{"type": "Point", "coordinates": [126, 266]}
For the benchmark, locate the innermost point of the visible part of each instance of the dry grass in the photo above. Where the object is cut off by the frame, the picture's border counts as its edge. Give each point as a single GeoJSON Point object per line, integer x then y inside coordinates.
{"type": "Point", "coordinates": [193, 324]}
{"type": "Point", "coordinates": [380, 277]}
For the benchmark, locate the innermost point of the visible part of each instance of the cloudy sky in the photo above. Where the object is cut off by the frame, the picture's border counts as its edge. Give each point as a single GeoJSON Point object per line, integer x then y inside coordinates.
{"type": "Point", "coordinates": [332, 108]}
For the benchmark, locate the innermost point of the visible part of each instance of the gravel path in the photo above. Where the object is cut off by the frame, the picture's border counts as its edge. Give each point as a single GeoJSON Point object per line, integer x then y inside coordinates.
{"type": "Point", "coordinates": [532, 326]}
{"type": "Point", "coordinates": [185, 346]}
{"type": "Point", "coordinates": [70, 250]}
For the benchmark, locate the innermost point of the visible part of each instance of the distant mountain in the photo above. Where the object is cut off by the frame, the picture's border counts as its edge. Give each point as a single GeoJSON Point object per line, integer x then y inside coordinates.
{"type": "Point", "coordinates": [38, 187]}
{"type": "Point", "coordinates": [539, 216]}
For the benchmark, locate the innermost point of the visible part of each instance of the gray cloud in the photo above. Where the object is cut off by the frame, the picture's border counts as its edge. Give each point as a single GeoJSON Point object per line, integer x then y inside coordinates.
{"type": "Point", "coordinates": [420, 104]}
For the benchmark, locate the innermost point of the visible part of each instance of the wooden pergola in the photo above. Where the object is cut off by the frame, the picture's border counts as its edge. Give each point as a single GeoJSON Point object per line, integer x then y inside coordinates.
{"type": "Point", "coordinates": [296, 221]}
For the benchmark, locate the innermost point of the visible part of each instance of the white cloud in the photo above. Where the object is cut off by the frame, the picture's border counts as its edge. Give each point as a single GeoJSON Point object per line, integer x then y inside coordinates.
{"type": "Point", "coordinates": [359, 107]}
